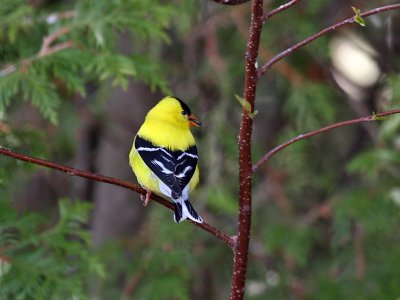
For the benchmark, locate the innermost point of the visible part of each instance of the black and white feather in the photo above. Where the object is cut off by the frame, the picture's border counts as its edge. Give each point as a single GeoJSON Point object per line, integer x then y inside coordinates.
{"type": "Point", "coordinates": [174, 169]}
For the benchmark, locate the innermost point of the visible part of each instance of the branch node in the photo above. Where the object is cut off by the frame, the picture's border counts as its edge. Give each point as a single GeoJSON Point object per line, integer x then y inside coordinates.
{"type": "Point", "coordinates": [376, 117]}
{"type": "Point", "coordinates": [234, 239]}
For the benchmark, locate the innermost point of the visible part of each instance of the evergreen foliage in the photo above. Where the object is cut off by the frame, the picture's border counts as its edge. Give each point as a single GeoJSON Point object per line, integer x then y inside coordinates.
{"type": "Point", "coordinates": [87, 30]}
{"type": "Point", "coordinates": [41, 262]}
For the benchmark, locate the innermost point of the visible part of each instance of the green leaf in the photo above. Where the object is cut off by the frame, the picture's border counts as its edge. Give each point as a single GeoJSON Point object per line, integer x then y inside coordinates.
{"type": "Point", "coordinates": [13, 15]}
{"type": "Point", "coordinates": [390, 128]}
{"type": "Point", "coordinates": [68, 68]}
{"type": "Point", "coordinates": [371, 207]}
{"type": "Point", "coordinates": [294, 240]}
{"type": "Point", "coordinates": [109, 65]}
{"type": "Point", "coordinates": [9, 86]}
{"type": "Point", "coordinates": [38, 89]}
{"type": "Point", "coordinates": [360, 20]}
{"type": "Point", "coordinates": [371, 162]}
{"type": "Point", "coordinates": [311, 104]}
{"type": "Point", "coordinates": [375, 117]}
{"type": "Point", "coordinates": [152, 73]}
{"type": "Point", "coordinates": [47, 264]}
{"type": "Point", "coordinates": [246, 106]}
{"type": "Point", "coordinates": [222, 200]}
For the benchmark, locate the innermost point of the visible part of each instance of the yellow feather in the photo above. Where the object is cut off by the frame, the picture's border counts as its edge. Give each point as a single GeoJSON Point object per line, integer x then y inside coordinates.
{"type": "Point", "coordinates": [167, 127]}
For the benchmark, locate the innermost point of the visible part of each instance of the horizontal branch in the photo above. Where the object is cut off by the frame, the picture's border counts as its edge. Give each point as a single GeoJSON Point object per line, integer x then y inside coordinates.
{"type": "Point", "coordinates": [317, 35]}
{"type": "Point", "coordinates": [230, 2]}
{"type": "Point", "coordinates": [114, 181]}
{"type": "Point", "coordinates": [373, 117]}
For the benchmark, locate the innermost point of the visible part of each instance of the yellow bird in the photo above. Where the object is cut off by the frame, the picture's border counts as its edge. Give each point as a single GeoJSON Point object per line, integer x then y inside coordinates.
{"type": "Point", "coordinates": [164, 156]}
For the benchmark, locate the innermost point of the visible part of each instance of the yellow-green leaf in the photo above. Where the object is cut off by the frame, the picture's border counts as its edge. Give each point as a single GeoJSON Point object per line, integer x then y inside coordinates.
{"type": "Point", "coordinates": [360, 20]}
{"type": "Point", "coordinates": [246, 106]}
{"type": "Point", "coordinates": [375, 117]}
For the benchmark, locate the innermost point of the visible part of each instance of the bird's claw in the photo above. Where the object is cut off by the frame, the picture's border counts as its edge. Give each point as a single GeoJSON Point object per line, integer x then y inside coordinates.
{"type": "Point", "coordinates": [146, 199]}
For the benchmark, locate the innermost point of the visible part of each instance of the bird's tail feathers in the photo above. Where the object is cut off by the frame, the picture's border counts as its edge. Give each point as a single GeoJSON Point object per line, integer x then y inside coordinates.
{"type": "Point", "coordinates": [183, 210]}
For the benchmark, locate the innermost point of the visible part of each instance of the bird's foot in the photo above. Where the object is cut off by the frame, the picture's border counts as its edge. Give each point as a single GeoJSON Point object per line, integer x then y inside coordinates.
{"type": "Point", "coordinates": [146, 199]}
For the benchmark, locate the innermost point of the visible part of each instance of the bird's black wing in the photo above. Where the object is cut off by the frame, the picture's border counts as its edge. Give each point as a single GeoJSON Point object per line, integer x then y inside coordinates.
{"type": "Point", "coordinates": [173, 168]}
{"type": "Point", "coordinates": [186, 162]}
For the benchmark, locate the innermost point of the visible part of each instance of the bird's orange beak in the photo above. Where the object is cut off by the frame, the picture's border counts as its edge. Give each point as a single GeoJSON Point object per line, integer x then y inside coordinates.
{"type": "Point", "coordinates": [194, 121]}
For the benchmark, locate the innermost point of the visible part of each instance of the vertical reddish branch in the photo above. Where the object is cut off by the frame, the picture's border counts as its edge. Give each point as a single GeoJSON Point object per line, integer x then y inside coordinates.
{"type": "Point", "coordinates": [245, 164]}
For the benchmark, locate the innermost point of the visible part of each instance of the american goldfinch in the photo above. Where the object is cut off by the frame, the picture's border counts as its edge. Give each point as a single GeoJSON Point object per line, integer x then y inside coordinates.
{"type": "Point", "coordinates": [164, 156]}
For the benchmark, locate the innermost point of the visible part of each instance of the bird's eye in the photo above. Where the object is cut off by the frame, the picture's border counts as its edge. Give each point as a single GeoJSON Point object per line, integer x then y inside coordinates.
{"type": "Point", "coordinates": [183, 112]}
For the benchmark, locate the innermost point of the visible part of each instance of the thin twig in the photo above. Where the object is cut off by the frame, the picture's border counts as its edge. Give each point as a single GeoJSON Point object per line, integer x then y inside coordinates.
{"type": "Point", "coordinates": [280, 9]}
{"type": "Point", "coordinates": [131, 285]}
{"type": "Point", "coordinates": [317, 35]}
{"type": "Point", "coordinates": [114, 181]}
{"type": "Point", "coordinates": [45, 50]}
{"type": "Point", "coordinates": [300, 137]}
{"type": "Point", "coordinates": [48, 40]}
{"type": "Point", "coordinates": [230, 2]}
{"type": "Point", "coordinates": [57, 48]}
{"type": "Point", "coordinates": [4, 128]}
{"type": "Point", "coordinates": [320, 211]}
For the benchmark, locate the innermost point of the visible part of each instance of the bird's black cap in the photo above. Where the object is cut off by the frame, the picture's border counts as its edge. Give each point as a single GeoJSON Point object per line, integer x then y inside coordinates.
{"type": "Point", "coordinates": [184, 106]}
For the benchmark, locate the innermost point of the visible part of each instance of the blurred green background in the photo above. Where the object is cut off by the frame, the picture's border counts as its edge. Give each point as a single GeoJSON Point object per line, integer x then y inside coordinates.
{"type": "Point", "coordinates": [326, 210]}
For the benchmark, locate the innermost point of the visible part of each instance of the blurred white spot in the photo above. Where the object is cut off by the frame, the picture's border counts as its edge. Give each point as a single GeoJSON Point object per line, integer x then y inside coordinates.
{"type": "Point", "coordinates": [5, 266]}
{"type": "Point", "coordinates": [353, 59]}
{"type": "Point", "coordinates": [272, 278]}
{"type": "Point", "coordinates": [395, 195]}
{"type": "Point", "coordinates": [255, 288]}
{"type": "Point", "coordinates": [397, 142]}
{"type": "Point", "coordinates": [51, 19]}
{"type": "Point", "coordinates": [349, 87]}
